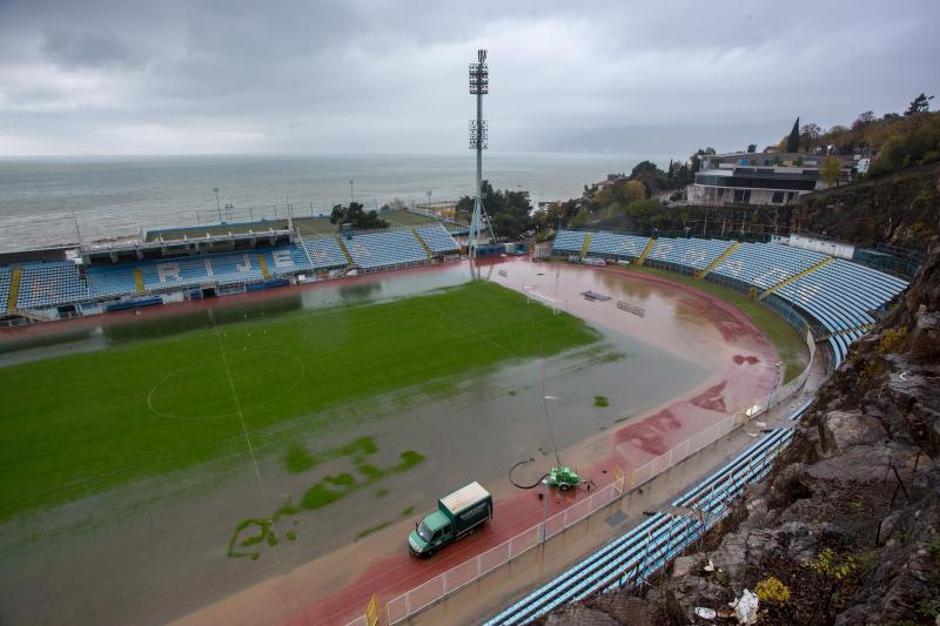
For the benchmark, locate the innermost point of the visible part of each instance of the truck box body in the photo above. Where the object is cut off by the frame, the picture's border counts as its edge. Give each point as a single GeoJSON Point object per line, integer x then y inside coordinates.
{"type": "Point", "coordinates": [457, 515]}
{"type": "Point", "coordinates": [467, 507]}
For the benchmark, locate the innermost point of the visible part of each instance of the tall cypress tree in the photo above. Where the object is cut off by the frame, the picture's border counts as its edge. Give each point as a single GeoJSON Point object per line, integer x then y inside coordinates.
{"type": "Point", "coordinates": [793, 141]}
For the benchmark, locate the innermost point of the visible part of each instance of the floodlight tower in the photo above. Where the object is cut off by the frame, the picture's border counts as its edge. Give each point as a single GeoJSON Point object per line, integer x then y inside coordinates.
{"type": "Point", "coordinates": [479, 86]}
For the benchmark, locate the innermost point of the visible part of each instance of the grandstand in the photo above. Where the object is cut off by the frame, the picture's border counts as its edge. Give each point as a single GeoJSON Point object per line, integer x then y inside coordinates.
{"type": "Point", "coordinates": [5, 278]}
{"type": "Point", "coordinates": [765, 265]}
{"type": "Point", "coordinates": [174, 264]}
{"type": "Point", "coordinates": [50, 284]}
{"type": "Point", "coordinates": [385, 249]}
{"type": "Point", "coordinates": [621, 247]}
{"type": "Point", "coordinates": [437, 239]}
{"type": "Point", "coordinates": [840, 299]}
{"type": "Point", "coordinates": [688, 253]}
{"type": "Point", "coordinates": [324, 253]}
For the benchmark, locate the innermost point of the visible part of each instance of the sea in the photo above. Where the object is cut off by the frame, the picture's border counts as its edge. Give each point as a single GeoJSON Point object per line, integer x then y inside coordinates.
{"type": "Point", "coordinates": [48, 201]}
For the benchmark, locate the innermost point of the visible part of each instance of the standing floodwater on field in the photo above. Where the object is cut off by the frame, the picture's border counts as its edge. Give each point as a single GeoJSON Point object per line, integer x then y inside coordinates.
{"type": "Point", "coordinates": [363, 404]}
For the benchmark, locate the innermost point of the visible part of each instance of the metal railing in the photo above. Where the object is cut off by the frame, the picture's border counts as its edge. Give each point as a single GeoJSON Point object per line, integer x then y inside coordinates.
{"type": "Point", "coordinates": [403, 606]}
{"type": "Point", "coordinates": [407, 604]}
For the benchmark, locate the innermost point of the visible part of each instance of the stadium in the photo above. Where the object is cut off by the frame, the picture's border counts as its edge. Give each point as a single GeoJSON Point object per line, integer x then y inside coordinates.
{"type": "Point", "coordinates": [240, 424]}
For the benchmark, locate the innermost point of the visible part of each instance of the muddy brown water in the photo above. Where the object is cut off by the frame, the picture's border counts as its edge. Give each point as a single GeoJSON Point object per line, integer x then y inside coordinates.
{"type": "Point", "coordinates": [156, 550]}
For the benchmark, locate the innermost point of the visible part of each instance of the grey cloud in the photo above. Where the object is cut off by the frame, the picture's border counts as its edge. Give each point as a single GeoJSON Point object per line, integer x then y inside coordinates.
{"type": "Point", "coordinates": [95, 50]}
{"type": "Point", "coordinates": [377, 75]}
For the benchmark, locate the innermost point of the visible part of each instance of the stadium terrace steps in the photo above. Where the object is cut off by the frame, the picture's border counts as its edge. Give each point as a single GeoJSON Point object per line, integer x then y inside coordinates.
{"type": "Point", "coordinates": [568, 242]}
{"type": "Point", "coordinates": [45, 284]}
{"type": "Point", "coordinates": [381, 249]}
{"type": "Point", "coordinates": [36, 316]}
{"type": "Point", "coordinates": [586, 245]}
{"type": "Point", "coordinates": [437, 240]}
{"type": "Point", "coordinates": [792, 279]}
{"type": "Point", "coordinates": [325, 253]}
{"type": "Point", "coordinates": [139, 282]}
{"type": "Point", "coordinates": [345, 250]}
{"type": "Point", "coordinates": [5, 277]}
{"type": "Point", "coordinates": [648, 547]}
{"type": "Point", "coordinates": [424, 244]}
{"type": "Point", "coordinates": [263, 264]}
{"type": "Point", "coordinates": [686, 252]}
{"type": "Point", "coordinates": [718, 260]}
{"type": "Point", "coordinates": [763, 265]}
{"type": "Point", "coordinates": [838, 297]}
{"type": "Point", "coordinates": [646, 251]}
{"type": "Point", "coordinates": [851, 332]}
{"type": "Point", "coordinates": [16, 278]}
{"type": "Point", "coordinates": [611, 245]}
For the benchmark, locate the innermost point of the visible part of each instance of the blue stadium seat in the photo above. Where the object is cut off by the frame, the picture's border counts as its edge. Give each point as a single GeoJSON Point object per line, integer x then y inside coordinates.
{"type": "Point", "coordinates": [764, 265]}
{"type": "Point", "coordinates": [106, 281]}
{"type": "Point", "coordinates": [324, 253]}
{"type": "Point", "coordinates": [437, 239]}
{"type": "Point", "coordinates": [6, 275]}
{"type": "Point", "coordinates": [613, 245]}
{"type": "Point", "coordinates": [50, 284]}
{"type": "Point", "coordinates": [385, 249]}
{"type": "Point", "coordinates": [568, 242]}
{"type": "Point", "coordinates": [692, 253]}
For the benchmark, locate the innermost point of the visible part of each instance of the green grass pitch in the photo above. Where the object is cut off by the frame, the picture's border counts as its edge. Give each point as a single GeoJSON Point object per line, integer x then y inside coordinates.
{"type": "Point", "coordinates": [79, 424]}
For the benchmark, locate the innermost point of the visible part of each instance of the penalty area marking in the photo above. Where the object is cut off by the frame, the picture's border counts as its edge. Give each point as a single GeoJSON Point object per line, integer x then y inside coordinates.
{"type": "Point", "coordinates": [218, 416]}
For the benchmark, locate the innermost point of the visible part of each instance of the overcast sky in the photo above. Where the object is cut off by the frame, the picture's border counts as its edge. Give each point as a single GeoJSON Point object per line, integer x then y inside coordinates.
{"type": "Point", "coordinates": [373, 76]}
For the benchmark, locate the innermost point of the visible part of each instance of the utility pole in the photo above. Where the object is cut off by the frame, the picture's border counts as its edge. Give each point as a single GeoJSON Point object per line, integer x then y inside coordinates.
{"type": "Point", "coordinates": [218, 205]}
{"type": "Point", "coordinates": [351, 197]}
{"type": "Point", "coordinates": [429, 200]}
{"type": "Point", "coordinates": [479, 136]}
{"type": "Point", "coordinates": [78, 232]}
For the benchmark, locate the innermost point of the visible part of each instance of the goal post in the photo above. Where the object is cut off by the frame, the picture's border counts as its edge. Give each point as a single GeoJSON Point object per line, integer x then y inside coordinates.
{"type": "Point", "coordinates": [555, 304]}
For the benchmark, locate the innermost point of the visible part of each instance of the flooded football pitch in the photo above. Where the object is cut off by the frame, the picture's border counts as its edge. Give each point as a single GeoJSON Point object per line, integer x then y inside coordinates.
{"type": "Point", "coordinates": [161, 548]}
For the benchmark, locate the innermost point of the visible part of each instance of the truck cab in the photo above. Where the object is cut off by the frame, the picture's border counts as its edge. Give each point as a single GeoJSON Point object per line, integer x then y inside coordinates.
{"type": "Point", "coordinates": [434, 531]}
{"type": "Point", "coordinates": [457, 515]}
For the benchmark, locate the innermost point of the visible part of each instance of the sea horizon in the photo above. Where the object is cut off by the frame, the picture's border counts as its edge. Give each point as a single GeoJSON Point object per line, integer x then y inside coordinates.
{"type": "Point", "coordinates": [57, 200]}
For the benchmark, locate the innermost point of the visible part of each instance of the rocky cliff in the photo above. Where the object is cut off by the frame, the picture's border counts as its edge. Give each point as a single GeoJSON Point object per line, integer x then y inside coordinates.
{"type": "Point", "coordinates": [847, 528]}
{"type": "Point", "coordinates": [901, 209]}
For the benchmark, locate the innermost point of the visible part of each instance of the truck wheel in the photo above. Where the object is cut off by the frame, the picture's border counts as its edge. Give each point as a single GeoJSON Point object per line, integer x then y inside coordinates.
{"type": "Point", "coordinates": [565, 486]}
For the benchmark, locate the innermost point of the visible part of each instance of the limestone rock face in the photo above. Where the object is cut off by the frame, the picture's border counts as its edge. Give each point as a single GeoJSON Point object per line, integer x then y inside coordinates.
{"type": "Point", "coordinates": [850, 428]}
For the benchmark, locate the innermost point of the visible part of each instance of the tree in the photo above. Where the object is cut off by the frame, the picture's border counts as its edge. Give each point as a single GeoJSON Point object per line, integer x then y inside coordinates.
{"type": "Point", "coordinates": [604, 196]}
{"type": "Point", "coordinates": [863, 120]}
{"type": "Point", "coordinates": [830, 170]}
{"type": "Point", "coordinates": [793, 141]}
{"type": "Point", "coordinates": [508, 211]}
{"type": "Point", "coordinates": [920, 104]}
{"type": "Point", "coordinates": [751, 148]}
{"type": "Point", "coordinates": [809, 136]}
{"type": "Point", "coordinates": [644, 168]}
{"type": "Point", "coordinates": [356, 216]}
{"type": "Point", "coordinates": [634, 190]}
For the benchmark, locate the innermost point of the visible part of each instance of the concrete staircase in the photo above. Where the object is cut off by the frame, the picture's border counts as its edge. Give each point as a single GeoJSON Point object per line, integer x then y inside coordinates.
{"type": "Point", "coordinates": [789, 281]}
{"type": "Point", "coordinates": [646, 251]}
{"type": "Point", "coordinates": [13, 295]}
{"type": "Point", "coordinates": [139, 282]}
{"type": "Point", "coordinates": [721, 257]}
{"type": "Point", "coordinates": [263, 263]}
{"type": "Point", "coordinates": [427, 250]}
{"type": "Point", "coordinates": [33, 316]}
{"type": "Point", "coordinates": [846, 331]}
{"type": "Point", "coordinates": [342, 246]}
{"type": "Point", "coordinates": [586, 245]}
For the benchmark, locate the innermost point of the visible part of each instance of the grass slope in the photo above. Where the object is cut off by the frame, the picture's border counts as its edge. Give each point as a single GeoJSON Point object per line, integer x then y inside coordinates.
{"type": "Point", "coordinates": [78, 424]}
{"type": "Point", "coordinates": [791, 347]}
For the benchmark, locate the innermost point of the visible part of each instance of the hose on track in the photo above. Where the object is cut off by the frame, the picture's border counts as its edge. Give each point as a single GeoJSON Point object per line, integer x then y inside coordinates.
{"type": "Point", "coordinates": [520, 486]}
